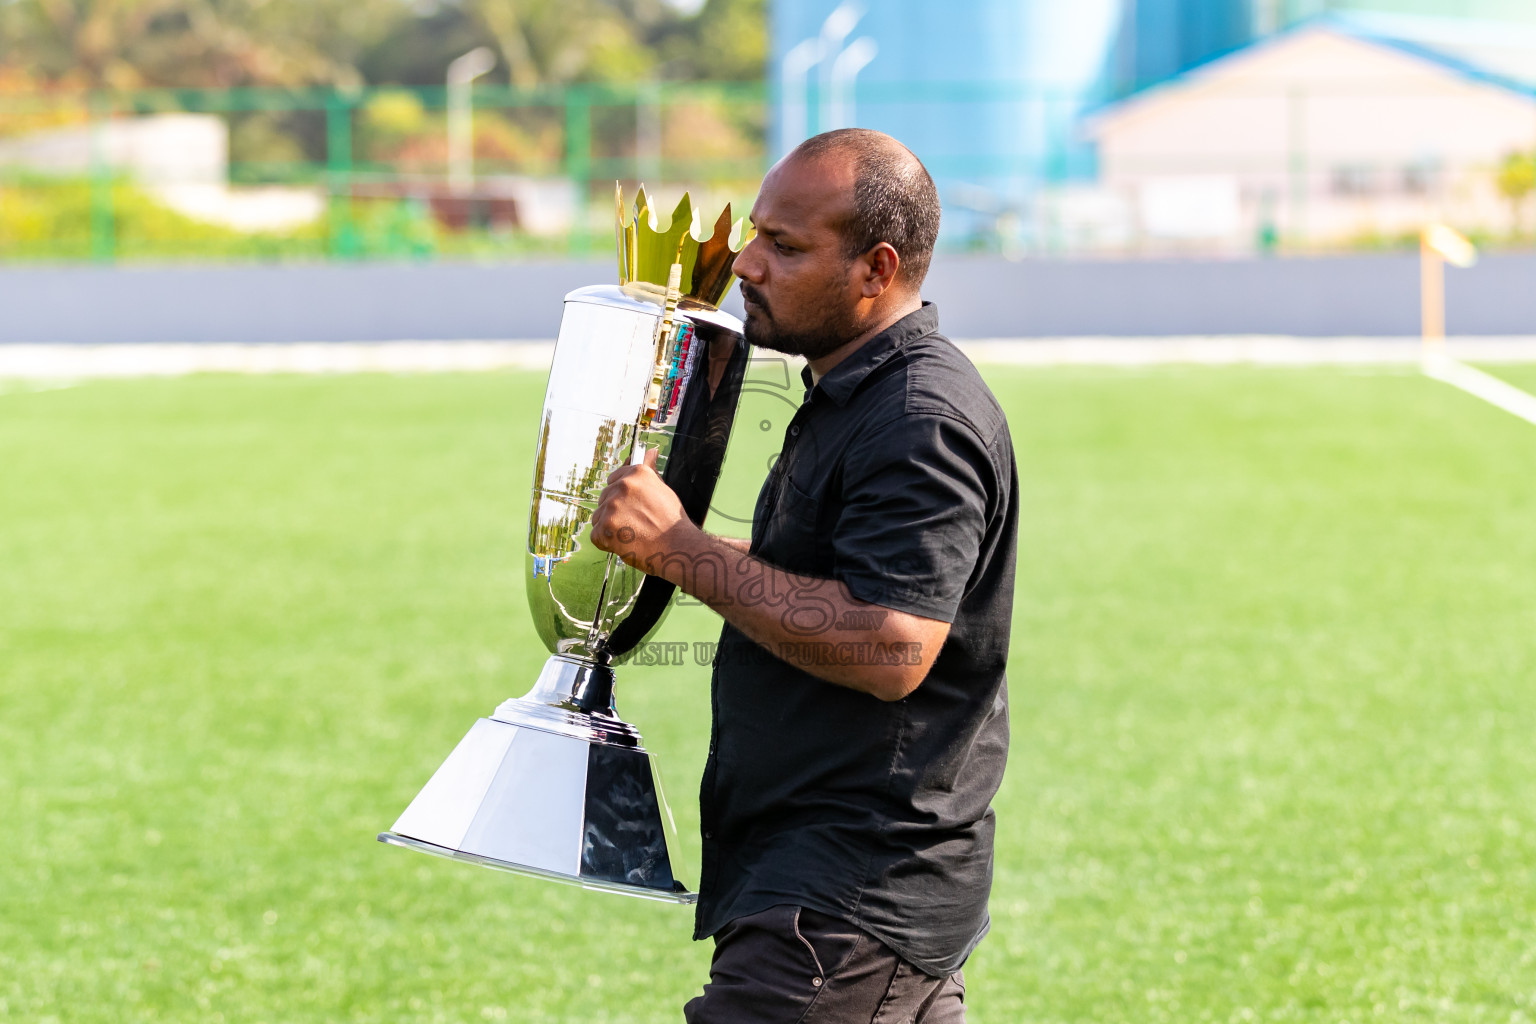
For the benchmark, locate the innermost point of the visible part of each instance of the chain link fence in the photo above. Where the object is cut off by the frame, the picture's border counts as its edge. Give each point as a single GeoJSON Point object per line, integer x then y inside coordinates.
{"type": "Point", "coordinates": [269, 175]}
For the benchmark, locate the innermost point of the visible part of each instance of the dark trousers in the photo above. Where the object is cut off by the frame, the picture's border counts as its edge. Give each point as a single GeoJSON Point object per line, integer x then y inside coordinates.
{"type": "Point", "coordinates": [790, 965]}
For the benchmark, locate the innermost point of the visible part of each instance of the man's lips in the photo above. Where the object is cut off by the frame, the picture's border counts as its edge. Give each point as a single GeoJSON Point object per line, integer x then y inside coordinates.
{"type": "Point", "coordinates": [752, 297]}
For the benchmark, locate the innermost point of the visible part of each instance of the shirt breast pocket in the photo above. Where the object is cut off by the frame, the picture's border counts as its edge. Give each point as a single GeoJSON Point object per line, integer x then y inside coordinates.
{"type": "Point", "coordinates": [795, 538]}
{"type": "Point", "coordinates": [798, 505]}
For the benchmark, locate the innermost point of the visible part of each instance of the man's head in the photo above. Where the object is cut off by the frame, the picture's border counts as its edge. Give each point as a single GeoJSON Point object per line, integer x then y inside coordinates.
{"type": "Point", "coordinates": [845, 229]}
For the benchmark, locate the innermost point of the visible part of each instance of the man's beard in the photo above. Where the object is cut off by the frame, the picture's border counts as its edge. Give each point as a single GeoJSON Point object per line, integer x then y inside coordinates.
{"type": "Point", "coordinates": [835, 327]}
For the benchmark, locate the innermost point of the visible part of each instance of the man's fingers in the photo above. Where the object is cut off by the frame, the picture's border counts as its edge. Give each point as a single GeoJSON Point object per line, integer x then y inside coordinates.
{"type": "Point", "coordinates": [650, 455]}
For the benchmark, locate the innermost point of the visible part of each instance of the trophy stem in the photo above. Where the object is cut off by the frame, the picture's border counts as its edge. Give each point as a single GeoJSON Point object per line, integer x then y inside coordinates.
{"type": "Point", "coordinates": [594, 690]}
{"type": "Point", "coordinates": [573, 697]}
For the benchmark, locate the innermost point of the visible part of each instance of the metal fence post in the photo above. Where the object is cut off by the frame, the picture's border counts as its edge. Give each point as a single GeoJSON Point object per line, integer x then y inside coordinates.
{"type": "Point", "coordinates": [648, 132]}
{"type": "Point", "coordinates": [103, 216]}
{"type": "Point", "coordinates": [578, 159]}
{"type": "Point", "coordinates": [1297, 170]}
{"type": "Point", "coordinates": [338, 165]}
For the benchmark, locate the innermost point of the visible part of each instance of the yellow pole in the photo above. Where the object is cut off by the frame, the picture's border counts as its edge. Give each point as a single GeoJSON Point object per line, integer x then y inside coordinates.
{"type": "Point", "coordinates": [1431, 296]}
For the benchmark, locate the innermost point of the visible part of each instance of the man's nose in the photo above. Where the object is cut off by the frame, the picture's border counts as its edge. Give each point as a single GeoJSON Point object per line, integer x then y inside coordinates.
{"type": "Point", "coordinates": [748, 265]}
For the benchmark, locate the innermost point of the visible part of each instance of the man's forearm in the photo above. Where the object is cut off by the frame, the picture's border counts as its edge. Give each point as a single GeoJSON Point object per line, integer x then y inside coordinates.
{"type": "Point", "coordinates": [813, 624]}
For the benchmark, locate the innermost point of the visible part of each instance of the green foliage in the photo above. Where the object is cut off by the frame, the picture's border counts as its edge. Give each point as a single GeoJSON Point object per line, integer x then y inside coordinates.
{"type": "Point", "coordinates": [263, 147]}
{"type": "Point", "coordinates": [60, 219]}
{"type": "Point", "coordinates": [1271, 716]}
{"type": "Point", "coordinates": [51, 219]}
{"type": "Point", "coordinates": [728, 40]}
{"type": "Point", "coordinates": [127, 44]}
{"type": "Point", "coordinates": [55, 53]}
{"type": "Point", "coordinates": [1517, 176]}
{"type": "Point", "coordinates": [395, 112]}
{"type": "Point", "coordinates": [1409, 241]}
{"type": "Point", "coordinates": [1516, 181]}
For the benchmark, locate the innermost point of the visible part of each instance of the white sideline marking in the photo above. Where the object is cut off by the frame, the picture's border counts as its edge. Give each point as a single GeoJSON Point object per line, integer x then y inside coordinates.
{"type": "Point", "coordinates": [60, 363]}
{"type": "Point", "coordinates": [56, 362]}
{"type": "Point", "coordinates": [1485, 386]}
{"type": "Point", "coordinates": [1232, 350]}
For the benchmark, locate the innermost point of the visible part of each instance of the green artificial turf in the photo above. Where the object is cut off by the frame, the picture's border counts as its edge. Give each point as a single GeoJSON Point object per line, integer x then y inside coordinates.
{"type": "Point", "coordinates": [1273, 706]}
{"type": "Point", "coordinates": [1521, 375]}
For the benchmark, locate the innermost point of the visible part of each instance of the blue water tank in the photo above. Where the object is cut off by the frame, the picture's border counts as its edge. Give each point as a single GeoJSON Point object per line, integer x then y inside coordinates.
{"type": "Point", "coordinates": [1160, 38]}
{"type": "Point", "coordinates": [986, 92]}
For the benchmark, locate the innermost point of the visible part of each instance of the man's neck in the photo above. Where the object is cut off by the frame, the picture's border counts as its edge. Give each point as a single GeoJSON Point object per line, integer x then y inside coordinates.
{"type": "Point", "coordinates": [822, 365]}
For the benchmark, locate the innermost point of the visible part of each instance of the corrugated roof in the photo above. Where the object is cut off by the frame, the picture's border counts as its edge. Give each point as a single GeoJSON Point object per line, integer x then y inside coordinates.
{"type": "Point", "coordinates": [1502, 54]}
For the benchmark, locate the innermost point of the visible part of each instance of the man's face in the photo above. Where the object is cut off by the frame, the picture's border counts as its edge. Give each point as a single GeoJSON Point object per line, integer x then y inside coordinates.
{"type": "Point", "coordinates": [801, 293]}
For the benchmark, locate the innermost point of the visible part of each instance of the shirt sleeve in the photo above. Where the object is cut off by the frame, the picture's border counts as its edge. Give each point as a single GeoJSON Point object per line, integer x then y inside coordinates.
{"type": "Point", "coordinates": [915, 496]}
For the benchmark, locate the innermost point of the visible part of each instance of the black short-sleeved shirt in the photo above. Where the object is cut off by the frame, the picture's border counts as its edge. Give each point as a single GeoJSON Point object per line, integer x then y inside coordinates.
{"type": "Point", "coordinates": [897, 478]}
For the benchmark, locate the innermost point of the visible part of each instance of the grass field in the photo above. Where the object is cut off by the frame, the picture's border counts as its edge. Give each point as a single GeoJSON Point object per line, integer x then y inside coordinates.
{"type": "Point", "coordinates": [1273, 706]}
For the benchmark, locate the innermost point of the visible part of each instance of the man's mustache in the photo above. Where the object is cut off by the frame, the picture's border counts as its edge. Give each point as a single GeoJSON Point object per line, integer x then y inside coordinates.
{"type": "Point", "coordinates": [752, 295]}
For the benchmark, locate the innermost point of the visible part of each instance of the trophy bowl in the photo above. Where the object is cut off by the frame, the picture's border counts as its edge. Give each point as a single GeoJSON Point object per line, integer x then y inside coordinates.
{"type": "Point", "coordinates": [554, 783]}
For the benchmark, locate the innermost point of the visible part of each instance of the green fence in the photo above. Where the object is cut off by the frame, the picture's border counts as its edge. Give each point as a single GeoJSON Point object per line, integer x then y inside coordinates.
{"type": "Point", "coordinates": [1298, 166]}
{"type": "Point", "coordinates": [276, 174]}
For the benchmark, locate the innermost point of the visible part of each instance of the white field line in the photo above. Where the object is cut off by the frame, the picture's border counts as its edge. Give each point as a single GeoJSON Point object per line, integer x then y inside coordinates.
{"type": "Point", "coordinates": [1239, 350]}
{"type": "Point", "coordinates": [78, 362]}
{"type": "Point", "coordinates": [1485, 386]}
{"type": "Point", "coordinates": [59, 364]}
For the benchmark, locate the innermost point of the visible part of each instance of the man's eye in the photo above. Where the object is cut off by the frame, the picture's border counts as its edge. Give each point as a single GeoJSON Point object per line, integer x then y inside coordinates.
{"type": "Point", "coordinates": [781, 247]}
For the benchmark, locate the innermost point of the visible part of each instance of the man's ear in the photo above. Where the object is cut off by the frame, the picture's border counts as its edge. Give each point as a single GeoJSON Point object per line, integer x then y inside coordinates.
{"type": "Point", "coordinates": [882, 264]}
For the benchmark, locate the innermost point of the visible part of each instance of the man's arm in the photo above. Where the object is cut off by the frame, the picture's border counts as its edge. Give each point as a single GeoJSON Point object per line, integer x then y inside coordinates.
{"type": "Point", "coordinates": [814, 624]}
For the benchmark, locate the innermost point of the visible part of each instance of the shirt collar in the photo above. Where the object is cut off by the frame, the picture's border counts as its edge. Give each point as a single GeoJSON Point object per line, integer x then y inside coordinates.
{"type": "Point", "coordinates": [843, 380]}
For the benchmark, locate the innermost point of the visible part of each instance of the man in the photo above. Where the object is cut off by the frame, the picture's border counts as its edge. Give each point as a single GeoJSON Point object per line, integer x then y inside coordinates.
{"type": "Point", "coordinates": [860, 706]}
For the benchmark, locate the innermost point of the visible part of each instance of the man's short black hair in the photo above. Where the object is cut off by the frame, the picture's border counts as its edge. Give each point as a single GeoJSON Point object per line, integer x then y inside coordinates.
{"type": "Point", "coordinates": [894, 199]}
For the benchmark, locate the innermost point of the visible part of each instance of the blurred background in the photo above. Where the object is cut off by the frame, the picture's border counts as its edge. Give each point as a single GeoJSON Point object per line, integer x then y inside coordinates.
{"type": "Point", "coordinates": [188, 130]}
{"type": "Point", "coordinates": [1106, 162]}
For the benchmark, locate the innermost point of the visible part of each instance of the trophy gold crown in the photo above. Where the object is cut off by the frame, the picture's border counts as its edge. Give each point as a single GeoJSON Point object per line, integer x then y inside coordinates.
{"type": "Point", "coordinates": [647, 251]}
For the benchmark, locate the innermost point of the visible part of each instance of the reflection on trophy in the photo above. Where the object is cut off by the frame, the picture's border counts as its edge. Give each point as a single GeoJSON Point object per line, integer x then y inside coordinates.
{"type": "Point", "coordinates": [554, 783]}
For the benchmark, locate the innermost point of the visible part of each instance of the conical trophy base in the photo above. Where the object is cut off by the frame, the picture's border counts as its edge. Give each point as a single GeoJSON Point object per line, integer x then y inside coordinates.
{"type": "Point", "coordinates": [548, 789]}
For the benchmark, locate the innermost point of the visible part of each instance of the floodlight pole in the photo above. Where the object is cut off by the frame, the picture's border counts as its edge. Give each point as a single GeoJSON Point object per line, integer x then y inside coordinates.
{"type": "Point", "coordinates": [795, 70]}
{"type": "Point", "coordinates": [845, 68]}
{"type": "Point", "coordinates": [829, 41]}
{"type": "Point", "coordinates": [462, 71]}
{"type": "Point", "coordinates": [794, 109]}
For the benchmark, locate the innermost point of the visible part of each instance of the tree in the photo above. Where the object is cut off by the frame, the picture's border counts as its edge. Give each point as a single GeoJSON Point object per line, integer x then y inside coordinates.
{"type": "Point", "coordinates": [1516, 181]}
{"type": "Point", "coordinates": [127, 44]}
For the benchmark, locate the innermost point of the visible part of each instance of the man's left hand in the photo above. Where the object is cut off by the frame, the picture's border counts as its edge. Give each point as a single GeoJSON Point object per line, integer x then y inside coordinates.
{"type": "Point", "coordinates": [638, 517]}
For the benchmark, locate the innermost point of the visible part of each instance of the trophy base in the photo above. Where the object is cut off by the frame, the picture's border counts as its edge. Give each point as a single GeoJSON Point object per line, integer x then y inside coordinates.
{"type": "Point", "coordinates": [549, 790]}
{"type": "Point", "coordinates": [640, 892]}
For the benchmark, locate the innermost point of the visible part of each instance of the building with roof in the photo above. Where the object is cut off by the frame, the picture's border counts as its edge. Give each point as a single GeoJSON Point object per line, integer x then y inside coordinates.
{"type": "Point", "coordinates": [1342, 129]}
{"type": "Point", "coordinates": [1005, 101]}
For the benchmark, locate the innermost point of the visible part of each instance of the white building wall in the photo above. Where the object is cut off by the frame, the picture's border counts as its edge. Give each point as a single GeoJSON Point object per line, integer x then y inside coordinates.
{"type": "Point", "coordinates": [156, 149]}
{"type": "Point", "coordinates": [1326, 136]}
{"type": "Point", "coordinates": [180, 159]}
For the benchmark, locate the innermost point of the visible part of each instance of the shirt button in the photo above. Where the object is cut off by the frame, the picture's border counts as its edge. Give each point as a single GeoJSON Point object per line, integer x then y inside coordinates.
{"type": "Point", "coordinates": [794, 431]}
{"type": "Point", "coordinates": [816, 983]}
{"type": "Point", "coordinates": [709, 835]}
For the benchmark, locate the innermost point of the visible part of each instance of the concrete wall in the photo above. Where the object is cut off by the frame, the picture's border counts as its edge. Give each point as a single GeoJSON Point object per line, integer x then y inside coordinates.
{"type": "Point", "coordinates": [978, 297]}
{"type": "Point", "coordinates": [1370, 296]}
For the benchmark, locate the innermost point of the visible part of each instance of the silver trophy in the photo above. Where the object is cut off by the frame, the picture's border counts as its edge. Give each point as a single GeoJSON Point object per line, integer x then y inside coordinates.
{"type": "Point", "coordinates": [555, 783]}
